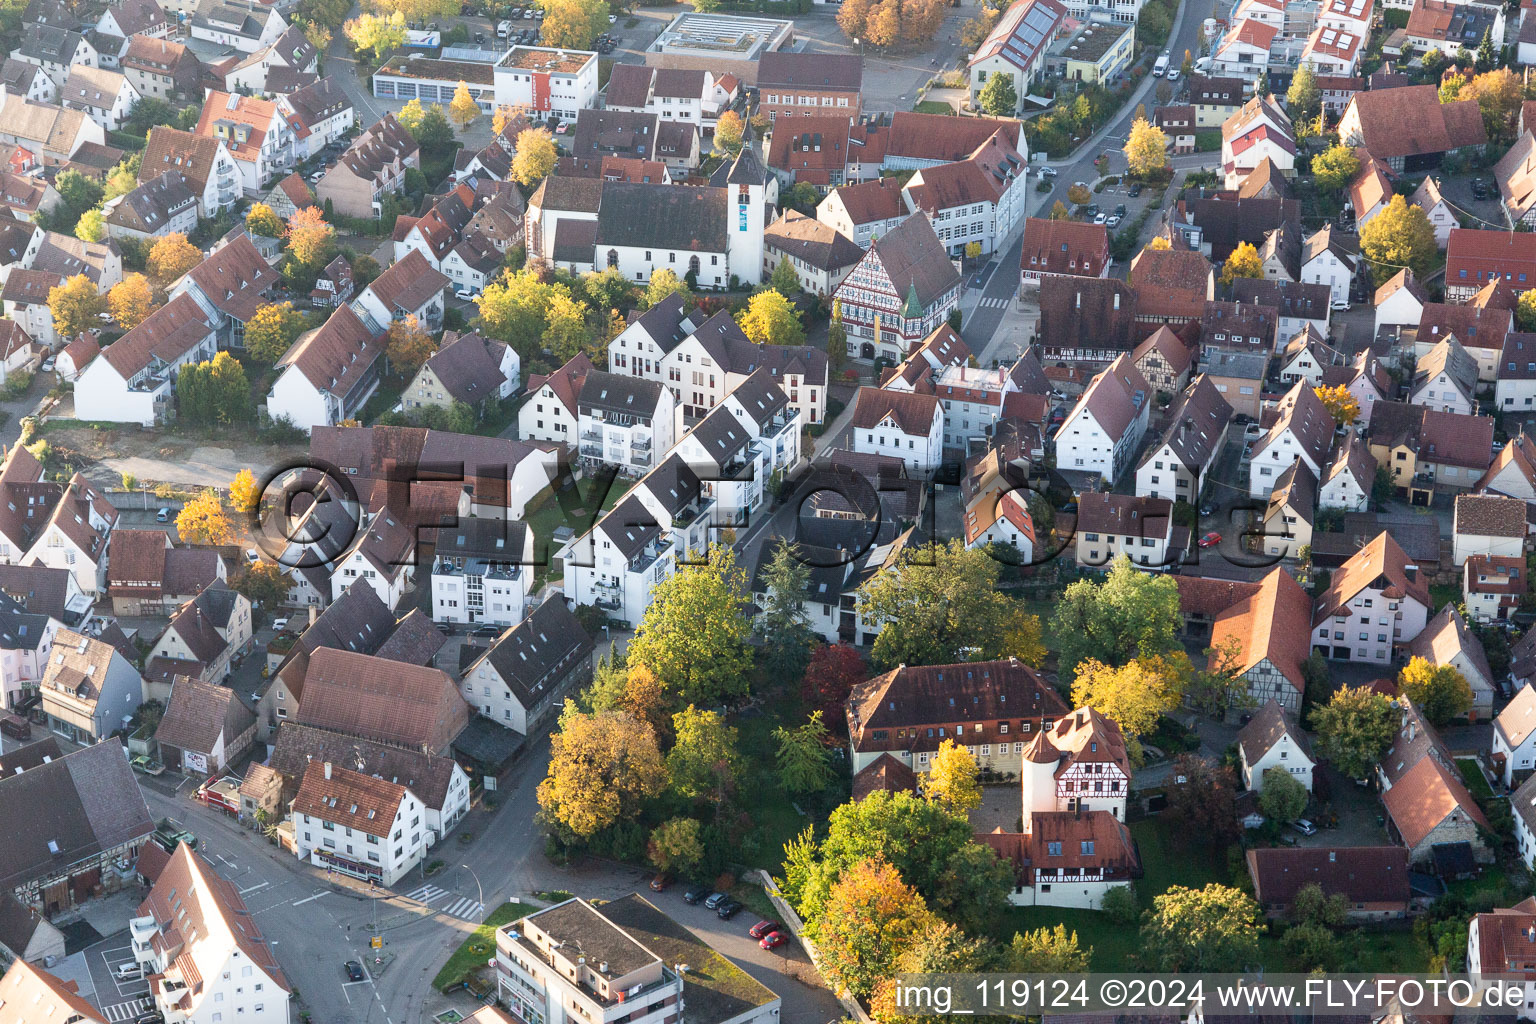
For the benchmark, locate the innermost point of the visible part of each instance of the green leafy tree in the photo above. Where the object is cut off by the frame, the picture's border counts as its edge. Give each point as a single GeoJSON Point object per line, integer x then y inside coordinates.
{"type": "Point", "coordinates": [665, 282]}
{"type": "Point", "coordinates": [1201, 801]}
{"type": "Point", "coordinates": [435, 134]}
{"type": "Point", "coordinates": [931, 848]}
{"type": "Point", "coordinates": [998, 97]}
{"type": "Point", "coordinates": [1130, 614]}
{"type": "Point", "coordinates": [1486, 57]}
{"type": "Point", "coordinates": [941, 605]}
{"type": "Point", "coordinates": [1049, 951]}
{"type": "Point", "coordinates": [677, 846]}
{"type": "Point", "coordinates": [1525, 310]}
{"type": "Point", "coordinates": [1209, 929]}
{"type": "Point", "coordinates": [801, 756]}
{"type": "Point", "coordinates": [786, 627]}
{"type": "Point", "coordinates": [1355, 728]}
{"type": "Point", "coordinates": [91, 227]}
{"type": "Point", "coordinates": [1311, 905]}
{"type": "Point", "coordinates": [1397, 237]}
{"type": "Point", "coordinates": [837, 338]}
{"type": "Point", "coordinates": [1441, 692]}
{"type": "Point", "coordinates": [264, 584]}
{"type": "Point", "coordinates": [78, 191]}
{"type": "Point", "coordinates": [693, 635]}
{"type": "Point", "coordinates": [1282, 798]}
{"type": "Point", "coordinates": [1303, 100]}
{"type": "Point", "coordinates": [702, 763]}
{"type": "Point", "coordinates": [1335, 167]}
{"type": "Point", "coordinates": [784, 280]}
{"type": "Point", "coordinates": [1311, 947]}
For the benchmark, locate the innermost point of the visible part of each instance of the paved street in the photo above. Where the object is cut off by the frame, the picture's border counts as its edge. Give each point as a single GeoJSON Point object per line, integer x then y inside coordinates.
{"type": "Point", "coordinates": [316, 924]}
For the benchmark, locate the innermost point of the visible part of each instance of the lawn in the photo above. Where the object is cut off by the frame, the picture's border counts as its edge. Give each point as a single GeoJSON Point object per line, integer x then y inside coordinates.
{"type": "Point", "coordinates": [1473, 775]}
{"type": "Point", "coordinates": [1441, 594]}
{"type": "Point", "coordinates": [478, 948]}
{"type": "Point", "coordinates": [546, 516]}
{"type": "Point", "coordinates": [773, 810]}
{"type": "Point", "coordinates": [932, 107]}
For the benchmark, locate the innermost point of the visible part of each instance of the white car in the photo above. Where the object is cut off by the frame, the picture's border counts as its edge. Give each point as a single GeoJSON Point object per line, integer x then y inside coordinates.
{"type": "Point", "coordinates": [1101, 219]}
{"type": "Point", "coordinates": [1173, 74]}
{"type": "Point", "coordinates": [1047, 172]}
{"type": "Point", "coordinates": [613, 19]}
{"type": "Point", "coordinates": [1338, 304]}
{"type": "Point", "coordinates": [128, 971]}
{"type": "Point", "coordinates": [464, 293]}
{"type": "Point", "coordinates": [279, 624]}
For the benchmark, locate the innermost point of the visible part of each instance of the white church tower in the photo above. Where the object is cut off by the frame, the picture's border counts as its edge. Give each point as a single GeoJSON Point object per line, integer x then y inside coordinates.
{"type": "Point", "coordinates": [752, 195]}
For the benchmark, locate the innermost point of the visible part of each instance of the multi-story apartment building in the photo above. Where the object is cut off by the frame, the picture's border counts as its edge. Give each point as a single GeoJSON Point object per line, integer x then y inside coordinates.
{"type": "Point", "coordinates": [358, 824]}
{"type": "Point", "coordinates": [482, 572]}
{"type": "Point", "coordinates": [1177, 465]}
{"type": "Point", "coordinates": [196, 935]}
{"type": "Point", "coordinates": [373, 167]}
{"type": "Point", "coordinates": [625, 421]}
{"type": "Point", "coordinates": [1375, 601]}
{"type": "Point", "coordinates": [621, 961]}
{"type": "Point", "coordinates": [257, 135]}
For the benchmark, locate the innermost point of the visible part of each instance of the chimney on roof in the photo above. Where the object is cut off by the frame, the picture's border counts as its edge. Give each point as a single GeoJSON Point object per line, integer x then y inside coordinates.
{"type": "Point", "coordinates": [327, 769]}
{"type": "Point", "coordinates": [314, 613]}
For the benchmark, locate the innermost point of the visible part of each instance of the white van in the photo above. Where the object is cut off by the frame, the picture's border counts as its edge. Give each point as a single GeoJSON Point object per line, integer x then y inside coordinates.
{"type": "Point", "coordinates": [503, 29]}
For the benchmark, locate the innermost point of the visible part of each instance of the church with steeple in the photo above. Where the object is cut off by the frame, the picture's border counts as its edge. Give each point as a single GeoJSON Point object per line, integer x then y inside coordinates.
{"type": "Point", "coordinates": [1074, 847]}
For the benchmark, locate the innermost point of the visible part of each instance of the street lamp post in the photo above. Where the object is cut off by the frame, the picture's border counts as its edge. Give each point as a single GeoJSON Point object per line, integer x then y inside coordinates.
{"type": "Point", "coordinates": [479, 893]}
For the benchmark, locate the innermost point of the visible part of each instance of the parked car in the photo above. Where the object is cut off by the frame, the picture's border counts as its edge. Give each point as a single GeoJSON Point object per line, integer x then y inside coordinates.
{"type": "Point", "coordinates": [694, 893]}
{"type": "Point", "coordinates": [1100, 218]}
{"type": "Point", "coordinates": [1210, 540]}
{"type": "Point", "coordinates": [164, 515]}
{"type": "Point", "coordinates": [1134, 190]}
{"type": "Point", "coordinates": [1112, 221]}
{"type": "Point", "coordinates": [1173, 74]}
{"type": "Point", "coordinates": [727, 910]}
{"type": "Point", "coordinates": [279, 624]}
{"type": "Point", "coordinates": [1119, 209]}
{"type": "Point", "coordinates": [714, 899]}
{"type": "Point", "coordinates": [773, 940]}
{"type": "Point", "coordinates": [1047, 172]}
{"type": "Point", "coordinates": [48, 365]}
{"type": "Point", "coordinates": [762, 928]}
{"type": "Point", "coordinates": [661, 882]}
{"type": "Point", "coordinates": [128, 971]}
{"type": "Point", "coordinates": [354, 970]}
{"type": "Point", "coordinates": [152, 1017]}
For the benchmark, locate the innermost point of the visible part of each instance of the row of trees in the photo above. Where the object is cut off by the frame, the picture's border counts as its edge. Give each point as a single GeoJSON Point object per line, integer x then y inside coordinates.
{"type": "Point", "coordinates": [887, 23]}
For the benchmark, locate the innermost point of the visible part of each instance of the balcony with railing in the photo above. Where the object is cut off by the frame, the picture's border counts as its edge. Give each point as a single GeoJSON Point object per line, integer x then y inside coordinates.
{"type": "Point", "coordinates": [608, 595]}
{"type": "Point", "coordinates": [648, 556]}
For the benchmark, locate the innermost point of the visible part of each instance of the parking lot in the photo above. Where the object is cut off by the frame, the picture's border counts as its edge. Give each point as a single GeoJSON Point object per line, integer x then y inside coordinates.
{"type": "Point", "coordinates": [121, 999]}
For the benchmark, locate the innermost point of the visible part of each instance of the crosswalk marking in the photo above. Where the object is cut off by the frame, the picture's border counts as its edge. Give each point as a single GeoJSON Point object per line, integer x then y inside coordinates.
{"type": "Point", "coordinates": [455, 905]}
{"type": "Point", "coordinates": [427, 894]}
{"type": "Point", "coordinates": [120, 1012]}
{"type": "Point", "coordinates": [993, 304]}
{"type": "Point", "coordinates": [467, 909]}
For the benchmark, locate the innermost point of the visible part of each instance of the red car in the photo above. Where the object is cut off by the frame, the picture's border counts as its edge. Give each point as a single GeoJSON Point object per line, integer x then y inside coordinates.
{"type": "Point", "coordinates": [773, 940]}
{"type": "Point", "coordinates": [1210, 540]}
{"type": "Point", "coordinates": [762, 928]}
